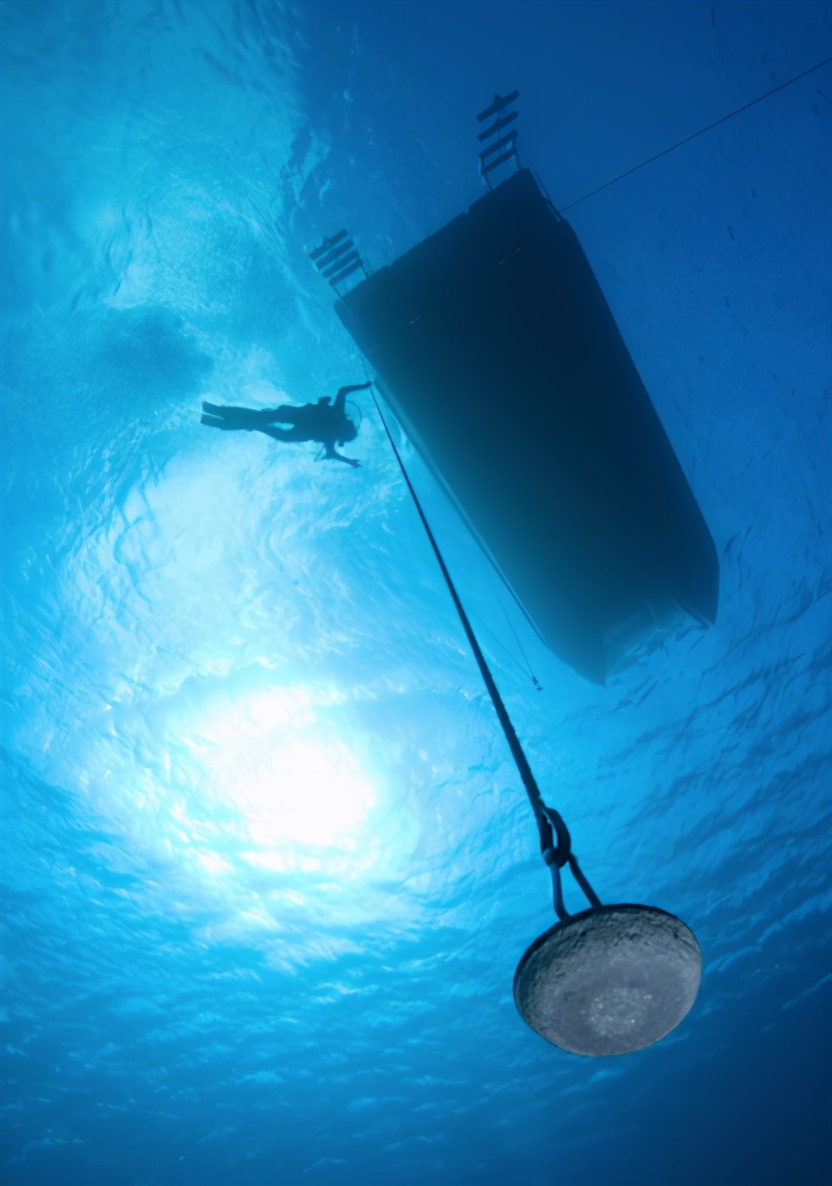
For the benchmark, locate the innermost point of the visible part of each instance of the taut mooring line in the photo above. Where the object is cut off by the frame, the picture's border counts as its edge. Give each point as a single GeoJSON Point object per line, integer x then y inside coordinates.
{"type": "Point", "coordinates": [520, 760]}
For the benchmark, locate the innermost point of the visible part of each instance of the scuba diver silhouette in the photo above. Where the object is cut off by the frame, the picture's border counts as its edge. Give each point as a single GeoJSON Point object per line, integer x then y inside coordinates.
{"type": "Point", "coordinates": [325, 422]}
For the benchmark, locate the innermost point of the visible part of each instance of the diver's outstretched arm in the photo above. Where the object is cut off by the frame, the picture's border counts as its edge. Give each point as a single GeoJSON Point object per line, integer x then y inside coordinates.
{"type": "Point", "coordinates": [343, 392]}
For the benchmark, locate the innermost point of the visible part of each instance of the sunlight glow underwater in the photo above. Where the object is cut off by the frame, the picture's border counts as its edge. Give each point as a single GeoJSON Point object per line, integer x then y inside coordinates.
{"type": "Point", "coordinates": [211, 764]}
{"type": "Point", "coordinates": [279, 767]}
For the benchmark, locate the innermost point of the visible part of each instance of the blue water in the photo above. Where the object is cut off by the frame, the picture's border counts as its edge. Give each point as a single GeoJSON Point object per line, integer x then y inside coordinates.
{"type": "Point", "coordinates": [267, 867]}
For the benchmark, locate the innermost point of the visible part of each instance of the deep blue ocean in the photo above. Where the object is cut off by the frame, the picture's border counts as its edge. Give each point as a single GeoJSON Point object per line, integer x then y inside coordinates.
{"type": "Point", "coordinates": [267, 865]}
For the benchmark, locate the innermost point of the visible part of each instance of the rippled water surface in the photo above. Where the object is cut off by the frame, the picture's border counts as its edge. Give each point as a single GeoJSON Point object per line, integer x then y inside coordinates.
{"type": "Point", "coordinates": [267, 866]}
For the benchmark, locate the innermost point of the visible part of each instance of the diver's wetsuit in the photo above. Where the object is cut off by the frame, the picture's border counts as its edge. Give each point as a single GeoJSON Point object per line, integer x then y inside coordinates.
{"type": "Point", "coordinates": [325, 422]}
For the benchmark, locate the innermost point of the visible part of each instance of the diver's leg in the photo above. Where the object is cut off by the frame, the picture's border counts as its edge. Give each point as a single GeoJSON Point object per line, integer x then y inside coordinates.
{"type": "Point", "coordinates": [286, 414]}
{"type": "Point", "coordinates": [244, 415]}
{"type": "Point", "coordinates": [283, 434]}
{"type": "Point", "coordinates": [220, 422]}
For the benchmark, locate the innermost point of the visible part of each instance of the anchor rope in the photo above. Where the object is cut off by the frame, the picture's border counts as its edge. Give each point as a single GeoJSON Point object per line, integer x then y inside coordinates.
{"type": "Point", "coordinates": [555, 840]}
{"type": "Point", "coordinates": [520, 760]}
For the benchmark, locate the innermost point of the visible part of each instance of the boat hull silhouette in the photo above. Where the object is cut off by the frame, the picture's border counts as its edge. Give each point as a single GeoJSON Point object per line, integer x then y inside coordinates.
{"type": "Point", "coordinates": [498, 353]}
